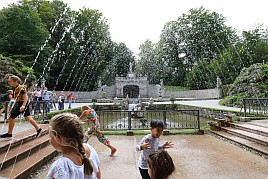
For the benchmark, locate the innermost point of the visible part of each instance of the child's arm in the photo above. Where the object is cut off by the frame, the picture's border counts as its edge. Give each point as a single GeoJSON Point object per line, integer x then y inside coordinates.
{"type": "Point", "coordinates": [167, 144]}
{"type": "Point", "coordinates": [143, 144]}
{"type": "Point", "coordinates": [23, 106]}
{"type": "Point", "coordinates": [83, 114]}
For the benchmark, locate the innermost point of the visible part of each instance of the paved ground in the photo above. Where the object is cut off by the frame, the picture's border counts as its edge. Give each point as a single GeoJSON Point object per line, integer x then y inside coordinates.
{"type": "Point", "coordinates": [195, 156]}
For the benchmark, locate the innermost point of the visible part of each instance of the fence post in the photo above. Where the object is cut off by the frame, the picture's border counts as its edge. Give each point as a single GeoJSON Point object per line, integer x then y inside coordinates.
{"type": "Point", "coordinates": [129, 131]}
{"type": "Point", "coordinates": [165, 119]}
{"type": "Point", "coordinates": [245, 109]}
{"type": "Point", "coordinates": [165, 131]}
{"type": "Point", "coordinates": [198, 120]}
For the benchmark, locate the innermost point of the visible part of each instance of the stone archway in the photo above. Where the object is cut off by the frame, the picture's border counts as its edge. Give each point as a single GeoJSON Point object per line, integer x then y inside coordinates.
{"type": "Point", "coordinates": [131, 90]}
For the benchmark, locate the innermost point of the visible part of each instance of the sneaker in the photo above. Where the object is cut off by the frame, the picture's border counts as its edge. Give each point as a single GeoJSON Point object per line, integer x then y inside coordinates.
{"type": "Point", "coordinates": [38, 132]}
{"type": "Point", "coordinates": [6, 135]}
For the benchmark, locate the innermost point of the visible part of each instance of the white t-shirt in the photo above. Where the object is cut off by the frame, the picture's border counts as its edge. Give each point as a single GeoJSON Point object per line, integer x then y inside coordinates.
{"type": "Point", "coordinates": [64, 168]}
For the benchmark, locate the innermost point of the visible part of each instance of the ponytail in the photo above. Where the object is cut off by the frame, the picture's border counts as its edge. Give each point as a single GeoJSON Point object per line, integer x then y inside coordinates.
{"type": "Point", "coordinates": [88, 168]}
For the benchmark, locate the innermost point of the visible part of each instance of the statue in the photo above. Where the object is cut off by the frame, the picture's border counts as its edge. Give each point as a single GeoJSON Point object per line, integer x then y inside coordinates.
{"type": "Point", "coordinates": [218, 82]}
{"type": "Point", "coordinates": [130, 67]}
{"type": "Point", "coordinates": [161, 82]}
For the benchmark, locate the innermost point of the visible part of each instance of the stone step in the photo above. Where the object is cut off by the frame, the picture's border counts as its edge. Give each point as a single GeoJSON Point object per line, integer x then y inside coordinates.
{"type": "Point", "coordinates": [260, 130]}
{"type": "Point", "coordinates": [247, 135]}
{"type": "Point", "coordinates": [24, 154]}
{"type": "Point", "coordinates": [22, 151]}
{"type": "Point", "coordinates": [244, 142]}
{"type": "Point", "coordinates": [18, 139]}
{"type": "Point", "coordinates": [23, 168]}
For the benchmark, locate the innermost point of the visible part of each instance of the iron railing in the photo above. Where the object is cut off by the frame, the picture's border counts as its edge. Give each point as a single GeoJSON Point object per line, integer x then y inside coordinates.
{"type": "Point", "coordinates": [255, 106]}
{"type": "Point", "coordinates": [37, 109]}
{"type": "Point", "coordinates": [134, 120]}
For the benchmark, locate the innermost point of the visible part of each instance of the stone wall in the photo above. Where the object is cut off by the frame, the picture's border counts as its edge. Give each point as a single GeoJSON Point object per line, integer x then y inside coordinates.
{"type": "Point", "coordinates": [197, 94]}
{"type": "Point", "coordinates": [153, 92]}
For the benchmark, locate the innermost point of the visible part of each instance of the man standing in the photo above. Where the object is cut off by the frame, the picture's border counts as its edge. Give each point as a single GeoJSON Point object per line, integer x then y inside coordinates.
{"type": "Point", "coordinates": [21, 106]}
{"type": "Point", "coordinates": [46, 98]}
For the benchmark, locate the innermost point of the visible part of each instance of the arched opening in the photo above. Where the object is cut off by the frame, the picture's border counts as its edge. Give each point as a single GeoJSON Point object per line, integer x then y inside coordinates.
{"type": "Point", "coordinates": [131, 90]}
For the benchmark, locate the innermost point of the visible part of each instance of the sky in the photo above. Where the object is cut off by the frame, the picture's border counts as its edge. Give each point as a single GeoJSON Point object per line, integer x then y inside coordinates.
{"type": "Point", "coordinates": [134, 21]}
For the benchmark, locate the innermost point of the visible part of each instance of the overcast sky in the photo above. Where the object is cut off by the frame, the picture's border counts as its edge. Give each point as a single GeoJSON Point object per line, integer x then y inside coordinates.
{"type": "Point", "coordinates": [134, 21]}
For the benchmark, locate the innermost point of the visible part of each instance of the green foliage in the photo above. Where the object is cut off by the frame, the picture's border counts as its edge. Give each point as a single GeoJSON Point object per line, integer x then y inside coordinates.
{"type": "Point", "coordinates": [264, 71]}
{"type": "Point", "coordinates": [9, 66]}
{"type": "Point", "coordinates": [176, 88]}
{"type": "Point", "coordinates": [196, 38]}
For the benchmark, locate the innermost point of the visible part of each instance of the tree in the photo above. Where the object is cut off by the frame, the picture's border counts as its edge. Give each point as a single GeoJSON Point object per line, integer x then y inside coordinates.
{"type": "Point", "coordinates": [200, 35]}
{"type": "Point", "coordinates": [147, 62]}
{"type": "Point", "coordinates": [119, 64]}
{"type": "Point", "coordinates": [21, 33]}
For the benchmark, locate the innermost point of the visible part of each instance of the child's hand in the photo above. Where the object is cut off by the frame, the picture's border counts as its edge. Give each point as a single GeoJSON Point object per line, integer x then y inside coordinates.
{"type": "Point", "coordinates": [146, 145]}
{"type": "Point", "coordinates": [168, 144]}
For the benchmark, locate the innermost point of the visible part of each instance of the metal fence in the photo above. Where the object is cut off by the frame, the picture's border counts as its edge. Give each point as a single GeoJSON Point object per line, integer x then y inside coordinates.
{"type": "Point", "coordinates": [255, 106]}
{"type": "Point", "coordinates": [134, 120]}
{"type": "Point", "coordinates": [37, 109]}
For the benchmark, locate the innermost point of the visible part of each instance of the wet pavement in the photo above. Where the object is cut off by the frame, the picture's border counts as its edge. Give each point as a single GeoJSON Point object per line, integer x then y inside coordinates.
{"type": "Point", "coordinates": [194, 156]}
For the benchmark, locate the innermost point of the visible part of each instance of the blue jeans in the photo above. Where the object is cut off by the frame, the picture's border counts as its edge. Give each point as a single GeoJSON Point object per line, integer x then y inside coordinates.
{"type": "Point", "coordinates": [70, 103]}
{"type": "Point", "coordinates": [47, 105]}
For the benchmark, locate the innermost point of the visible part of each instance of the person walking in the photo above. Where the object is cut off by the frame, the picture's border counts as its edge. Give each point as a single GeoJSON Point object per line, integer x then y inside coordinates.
{"type": "Point", "coordinates": [90, 116]}
{"type": "Point", "coordinates": [21, 106]}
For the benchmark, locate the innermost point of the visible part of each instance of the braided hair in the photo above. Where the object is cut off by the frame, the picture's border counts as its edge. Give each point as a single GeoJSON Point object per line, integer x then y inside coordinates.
{"type": "Point", "coordinates": [69, 128]}
{"type": "Point", "coordinates": [161, 165]}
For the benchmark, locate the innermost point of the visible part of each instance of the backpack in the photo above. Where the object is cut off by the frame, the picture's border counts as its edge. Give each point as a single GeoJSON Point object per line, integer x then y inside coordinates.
{"type": "Point", "coordinates": [3, 97]}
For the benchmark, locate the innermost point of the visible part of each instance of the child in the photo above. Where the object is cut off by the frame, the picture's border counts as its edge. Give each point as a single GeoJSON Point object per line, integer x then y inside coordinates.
{"type": "Point", "coordinates": [160, 165]}
{"type": "Point", "coordinates": [78, 160]}
{"type": "Point", "coordinates": [21, 106]}
{"type": "Point", "coordinates": [149, 145]}
{"type": "Point", "coordinates": [9, 94]}
{"type": "Point", "coordinates": [89, 115]}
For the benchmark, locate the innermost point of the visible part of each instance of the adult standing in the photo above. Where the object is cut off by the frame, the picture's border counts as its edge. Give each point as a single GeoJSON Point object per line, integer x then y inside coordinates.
{"type": "Point", "coordinates": [46, 98]}
{"type": "Point", "coordinates": [37, 99]}
{"type": "Point", "coordinates": [70, 99]}
{"type": "Point", "coordinates": [61, 100]}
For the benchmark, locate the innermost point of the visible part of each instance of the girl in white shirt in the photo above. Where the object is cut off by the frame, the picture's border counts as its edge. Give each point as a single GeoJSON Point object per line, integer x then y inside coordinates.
{"type": "Point", "coordinates": [78, 160]}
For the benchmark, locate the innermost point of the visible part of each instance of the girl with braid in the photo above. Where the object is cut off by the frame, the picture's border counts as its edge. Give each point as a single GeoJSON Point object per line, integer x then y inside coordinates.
{"type": "Point", "coordinates": [160, 165]}
{"type": "Point", "coordinates": [90, 116]}
{"type": "Point", "coordinates": [78, 160]}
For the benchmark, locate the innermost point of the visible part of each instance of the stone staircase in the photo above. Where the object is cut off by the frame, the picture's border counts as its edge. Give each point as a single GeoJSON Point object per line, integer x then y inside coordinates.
{"type": "Point", "coordinates": [251, 136]}
{"type": "Point", "coordinates": [24, 154]}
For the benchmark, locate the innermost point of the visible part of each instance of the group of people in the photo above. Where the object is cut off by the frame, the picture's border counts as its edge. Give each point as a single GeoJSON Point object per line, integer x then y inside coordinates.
{"type": "Point", "coordinates": [79, 159]}
{"type": "Point", "coordinates": [49, 99]}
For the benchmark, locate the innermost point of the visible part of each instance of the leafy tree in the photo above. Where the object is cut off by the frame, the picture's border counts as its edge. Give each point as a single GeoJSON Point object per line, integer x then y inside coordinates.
{"type": "Point", "coordinates": [15, 67]}
{"type": "Point", "coordinates": [119, 64]}
{"type": "Point", "coordinates": [21, 33]}
{"type": "Point", "coordinates": [147, 62]}
{"type": "Point", "coordinates": [200, 35]}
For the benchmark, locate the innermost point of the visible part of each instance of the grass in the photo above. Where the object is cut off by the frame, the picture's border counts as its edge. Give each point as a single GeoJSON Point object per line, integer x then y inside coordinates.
{"type": "Point", "coordinates": [176, 88]}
